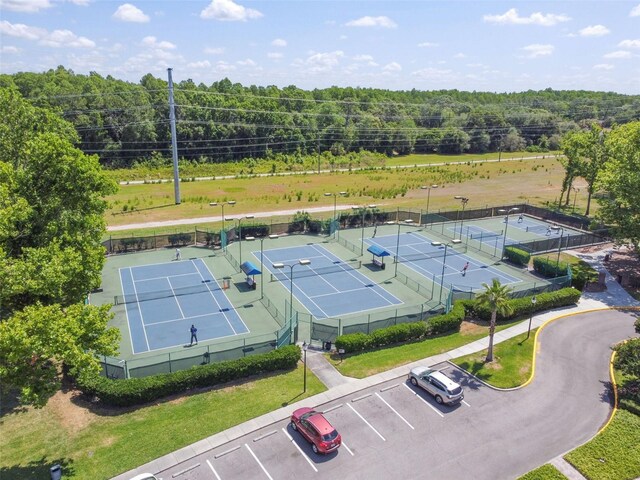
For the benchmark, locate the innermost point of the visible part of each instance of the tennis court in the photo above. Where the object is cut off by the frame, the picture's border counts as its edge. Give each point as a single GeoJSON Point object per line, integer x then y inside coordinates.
{"type": "Point", "coordinates": [163, 300]}
{"type": "Point", "coordinates": [417, 252]}
{"type": "Point", "coordinates": [328, 287]}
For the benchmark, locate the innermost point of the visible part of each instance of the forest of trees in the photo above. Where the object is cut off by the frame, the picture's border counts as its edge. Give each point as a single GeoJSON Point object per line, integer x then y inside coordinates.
{"type": "Point", "coordinates": [125, 123]}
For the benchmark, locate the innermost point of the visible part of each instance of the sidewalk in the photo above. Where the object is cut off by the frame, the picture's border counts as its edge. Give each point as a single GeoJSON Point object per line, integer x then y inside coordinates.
{"type": "Point", "coordinates": [339, 385]}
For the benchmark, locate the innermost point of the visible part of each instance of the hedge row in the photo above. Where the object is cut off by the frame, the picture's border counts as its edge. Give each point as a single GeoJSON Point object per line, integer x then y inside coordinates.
{"type": "Point", "coordinates": [404, 332]}
{"type": "Point", "coordinates": [136, 391]}
{"type": "Point", "coordinates": [549, 268]}
{"type": "Point", "coordinates": [524, 306]}
{"type": "Point", "coordinates": [517, 256]}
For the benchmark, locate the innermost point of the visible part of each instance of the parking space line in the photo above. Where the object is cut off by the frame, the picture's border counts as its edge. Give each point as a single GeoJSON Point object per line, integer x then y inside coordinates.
{"type": "Point", "coordinates": [300, 450]}
{"type": "Point", "coordinates": [357, 399]}
{"type": "Point", "coordinates": [427, 403]}
{"type": "Point", "coordinates": [259, 463]}
{"type": "Point", "coordinates": [333, 408]}
{"type": "Point", "coordinates": [394, 411]}
{"type": "Point", "coordinates": [268, 434]}
{"type": "Point", "coordinates": [182, 472]}
{"type": "Point", "coordinates": [213, 470]}
{"type": "Point", "coordinates": [465, 403]}
{"type": "Point", "coordinates": [389, 388]}
{"type": "Point", "coordinates": [348, 449]}
{"type": "Point", "coordinates": [227, 451]}
{"type": "Point", "coordinates": [365, 421]}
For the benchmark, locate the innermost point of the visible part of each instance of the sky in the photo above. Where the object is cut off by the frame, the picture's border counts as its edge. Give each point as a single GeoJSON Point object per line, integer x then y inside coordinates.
{"type": "Point", "coordinates": [480, 45]}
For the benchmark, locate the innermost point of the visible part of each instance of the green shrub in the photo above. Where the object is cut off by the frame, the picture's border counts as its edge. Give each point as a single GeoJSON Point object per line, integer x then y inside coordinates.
{"type": "Point", "coordinates": [581, 273]}
{"type": "Point", "coordinates": [523, 306]}
{"type": "Point", "coordinates": [448, 322]}
{"type": "Point", "coordinates": [136, 391]}
{"type": "Point", "coordinates": [402, 332]}
{"type": "Point", "coordinates": [517, 256]}
{"type": "Point", "coordinates": [352, 342]}
{"type": "Point", "coordinates": [549, 268]}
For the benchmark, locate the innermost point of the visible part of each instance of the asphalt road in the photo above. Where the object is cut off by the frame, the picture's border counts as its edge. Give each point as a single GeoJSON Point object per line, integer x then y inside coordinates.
{"type": "Point", "coordinates": [394, 430]}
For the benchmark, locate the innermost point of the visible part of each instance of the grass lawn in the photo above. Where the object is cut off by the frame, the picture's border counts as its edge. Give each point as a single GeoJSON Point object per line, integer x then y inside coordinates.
{"type": "Point", "coordinates": [614, 454]}
{"type": "Point", "coordinates": [484, 184]}
{"type": "Point", "coordinates": [545, 472]}
{"type": "Point", "coordinates": [511, 366]}
{"type": "Point", "coordinates": [362, 365]}
{"type": "Point", "coordinates": [99, 444]}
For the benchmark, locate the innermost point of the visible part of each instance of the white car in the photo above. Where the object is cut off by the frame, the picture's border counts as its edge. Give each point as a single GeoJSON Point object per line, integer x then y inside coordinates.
{"type": "Point", "coordinates": [437, 384]}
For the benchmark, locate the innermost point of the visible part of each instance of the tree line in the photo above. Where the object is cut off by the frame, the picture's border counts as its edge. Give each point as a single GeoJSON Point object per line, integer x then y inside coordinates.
{"type": "Point", "coordinates": [126, 123]}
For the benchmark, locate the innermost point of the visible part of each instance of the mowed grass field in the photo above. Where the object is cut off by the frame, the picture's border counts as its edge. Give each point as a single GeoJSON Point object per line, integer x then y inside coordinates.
{"type": "Point", "coordinates": [510, 181]}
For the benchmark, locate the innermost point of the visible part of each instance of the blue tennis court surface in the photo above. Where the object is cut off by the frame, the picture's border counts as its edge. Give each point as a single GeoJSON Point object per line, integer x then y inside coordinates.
{"type": "Point", "coordinates": [341, 292]}
{"type": "Point", "coordinates": [417, 253]}
{"type": "Point", "coordinates": [164, 300]}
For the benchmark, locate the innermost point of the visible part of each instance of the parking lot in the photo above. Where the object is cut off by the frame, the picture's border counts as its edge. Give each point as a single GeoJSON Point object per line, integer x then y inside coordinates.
{"type": "Point", "coordinates": [390, 429]}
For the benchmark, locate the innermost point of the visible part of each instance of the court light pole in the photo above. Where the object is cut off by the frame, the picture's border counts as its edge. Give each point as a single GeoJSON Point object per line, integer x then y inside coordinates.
{"type": "Point", "coordinates": [335, 202]}
{"type": "Point", "coordinates": [558, 227]}
{"type": "Point", "coordinates": [395, 274]}
{"type": "Point", "coordinates": [240, 233]}
{"type": "Point", "coordinates": [222, 204]}
{"type": "Point", "coordinates": [428, 188]}
{"type": "Point", "coordinates": [302, 261]}
{"type": "Point", "coordinates": [506, 225]}
{"type": "Point", "coordinates": [464, 201]}
{"type": "Point", "coordinates": [273, 236]}
{"type": "Point", "coordinates": [533, 304]}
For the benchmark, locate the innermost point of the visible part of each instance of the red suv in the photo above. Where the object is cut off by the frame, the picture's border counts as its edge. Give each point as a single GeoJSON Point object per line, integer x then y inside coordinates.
{"type": "Point", "coordinates": [316, 429]}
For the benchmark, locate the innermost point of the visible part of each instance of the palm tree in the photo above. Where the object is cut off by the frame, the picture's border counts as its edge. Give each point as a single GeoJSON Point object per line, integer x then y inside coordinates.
{"type": "Point", "coordinates": [496, 298]}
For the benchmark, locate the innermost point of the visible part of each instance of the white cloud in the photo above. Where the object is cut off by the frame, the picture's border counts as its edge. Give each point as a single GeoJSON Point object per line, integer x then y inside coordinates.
{"type": "Point", "coordinates": [460, 55]}
{"type": "Point", "coordinates": [201, 64]}
{"type": "Point", "coordinates": [367, 21]}
{"type": "Point", "coordinates": [431, 73]}
{"type": "Point", "coordinates": [227, 10]}
{"type": "Point", "coordinates": [537, 50]}
{"type": "Point", "coordinates": [392, 67]}
{"type": "Point", "coordinates": [603, 66]}
{"type": "Point", "coordinates": [57, 38]}
{"type": "Point", "coordinates": [427, 44]}
{"type": "Point", "coordinates": [130, 13]}
{"type": "Point", "coordinates": [247, 63]}
{"type": "Point", "coordinates": [9, 49]}
{"type": "Point", "coordinates": [152, 42]}
{"type": "Point", "coordinates": [343, 37]}
{"type": "Point", "coordinates": [511, 17]}
{"type": "Point", "coordinates": [214, 50]}
{"type": "Point", "coordinates": [618, 54]}
{"type": "Point", "coordinates": [81, 3]}
{"type": "Point", "coordinates": [594, 31]}
{"type": "Point", "coordinates": [630, 44]}
{"type": "Point", "coordinates": [279, 42]}
{"type": "Point", "coordinates": [635, 11]}
{"type": "Point", "coordinates": [25, 6]}
{"type": "Point", "coordinates": [365, 59]}
{"type": "Point", "coordinates": [274, 55]}
{"type": "Point", "coordinates": [320, 62]}
{"type": "Point", "coordinates": [223, 67]}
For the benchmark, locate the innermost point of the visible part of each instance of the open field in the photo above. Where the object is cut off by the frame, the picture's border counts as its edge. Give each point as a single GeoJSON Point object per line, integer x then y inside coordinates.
{"type": "Point", "coordinates": [534, 181]}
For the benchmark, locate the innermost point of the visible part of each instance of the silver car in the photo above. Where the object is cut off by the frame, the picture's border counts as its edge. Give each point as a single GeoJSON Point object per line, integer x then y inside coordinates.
{"type": "Point", "coordinates": [437, 384]}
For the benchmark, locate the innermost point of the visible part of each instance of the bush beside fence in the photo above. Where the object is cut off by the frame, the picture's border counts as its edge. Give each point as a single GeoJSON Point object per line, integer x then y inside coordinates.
{"type": "Point", "coordinates": [517, 256]}
{"type": "Point", "coordinates": [136, 391]}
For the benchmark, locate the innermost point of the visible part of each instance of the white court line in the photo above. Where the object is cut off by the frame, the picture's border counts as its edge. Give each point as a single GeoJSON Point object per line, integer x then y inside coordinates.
{"type": "Point", "coordinates": [220, 307]}
{"type": "Point", "coordinates": [259, 463]}
{"type": "Point", "coordinates": [365, 421]}
{"type": "Point", "coordinates": [427, 403]}
{"type": "Point", "coordinates": [300, 450]}
{"type": "Point", "coordinates": [167, 276]}
{"type": "Point", "coordinates": [213, 470]}
{"type": "Point", "coordinates": [144, 327]}
{"type": "Point", "coordinates": [395, 411]}
{"type": "Point", "coordinates": [466, 403]}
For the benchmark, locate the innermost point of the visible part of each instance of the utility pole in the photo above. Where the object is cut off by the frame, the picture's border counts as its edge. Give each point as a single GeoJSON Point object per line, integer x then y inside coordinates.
{"type": "Point", "coordinates": [174, 141]}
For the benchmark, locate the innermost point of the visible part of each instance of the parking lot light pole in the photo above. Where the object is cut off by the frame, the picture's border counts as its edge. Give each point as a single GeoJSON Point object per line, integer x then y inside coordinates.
{"type": "Point", "coordinates": [304, 349]}
{"type": "Point", "coordinates": [533, 304]}
{"type": "Point", "coordinates": [506, 225]}
{"type": "Point", "coordinates": [302, 261]}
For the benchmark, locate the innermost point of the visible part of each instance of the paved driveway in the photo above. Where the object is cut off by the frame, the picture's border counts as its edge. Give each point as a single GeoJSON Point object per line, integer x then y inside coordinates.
{"type": "Point", "coordinates": [394, 430]}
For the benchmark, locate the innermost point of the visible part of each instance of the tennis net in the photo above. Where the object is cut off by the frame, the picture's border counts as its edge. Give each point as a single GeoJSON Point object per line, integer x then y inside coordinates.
{"type": "Point", "coordinates": [540, 229]}
{"type": "Point", "coordinates": [484, 235]}
{"type": "Point", "coordinates": [206, 286]}
{"type": "Point", "coordinates": [337, 267]}
{"type": "Point", "coordinates": [416, 257]}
